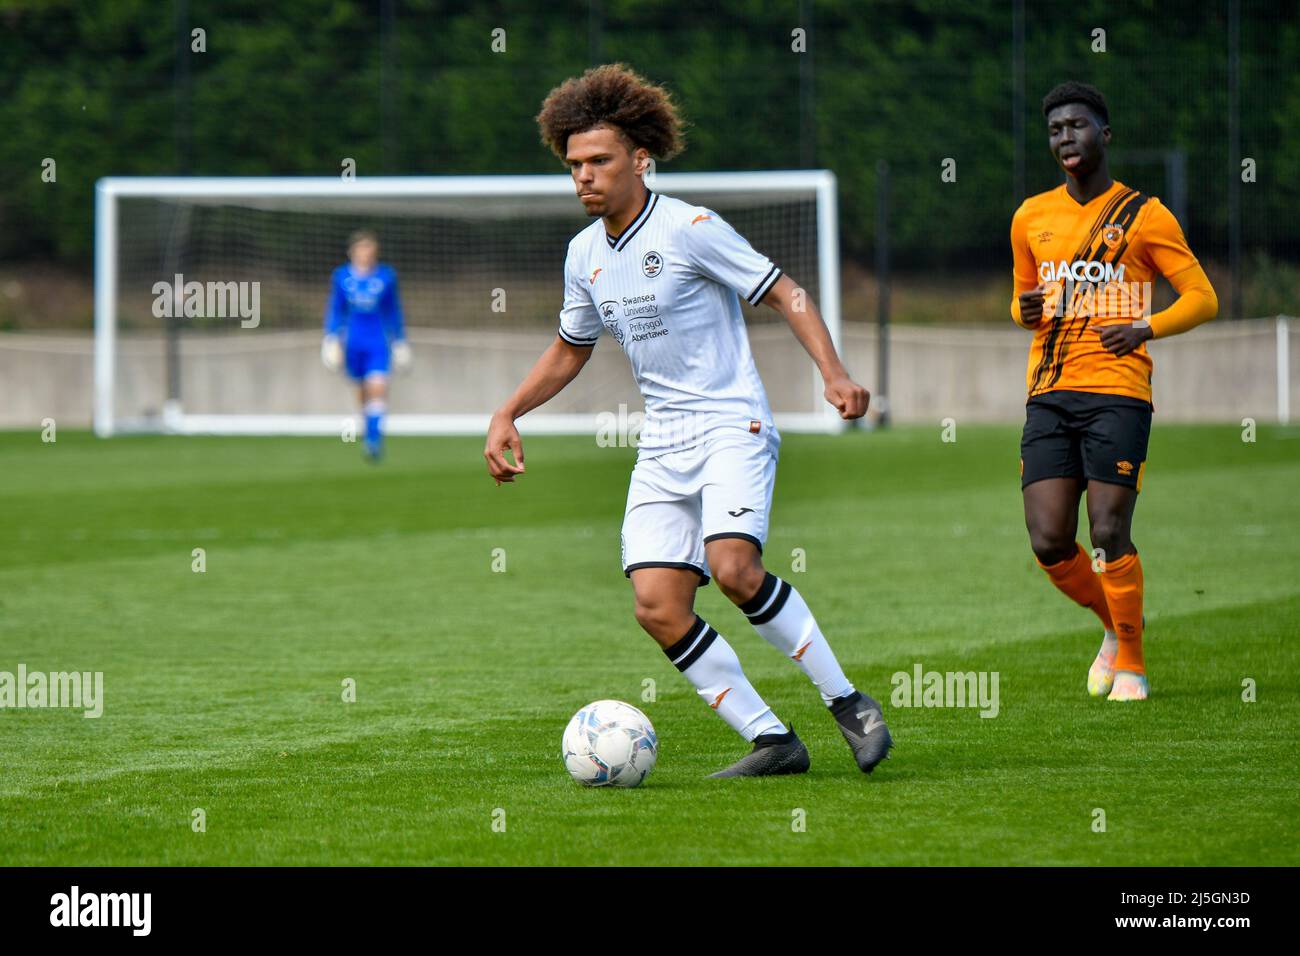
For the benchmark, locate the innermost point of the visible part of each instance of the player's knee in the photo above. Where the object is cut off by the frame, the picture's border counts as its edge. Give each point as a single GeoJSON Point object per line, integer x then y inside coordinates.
{"type": "Point", "coordinates": [1051, 546]}
{"type": "Point", "coordinates": [658, 618]}
{"type": "Point", "coordinates": [1109, 534]}
{"type": "Point", "coordinates": [739, 578]}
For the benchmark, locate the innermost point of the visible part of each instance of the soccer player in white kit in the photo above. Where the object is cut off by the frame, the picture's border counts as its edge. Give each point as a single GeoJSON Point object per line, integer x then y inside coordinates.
{"type": "Point", "coordinates": [664, 278]}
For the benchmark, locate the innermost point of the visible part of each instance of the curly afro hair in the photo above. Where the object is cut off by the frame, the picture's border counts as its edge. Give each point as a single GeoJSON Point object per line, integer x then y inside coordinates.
{"type": "Point", "coordinates": [616, 96]}
{"type": "Point", "coordinates": [1072, 92]}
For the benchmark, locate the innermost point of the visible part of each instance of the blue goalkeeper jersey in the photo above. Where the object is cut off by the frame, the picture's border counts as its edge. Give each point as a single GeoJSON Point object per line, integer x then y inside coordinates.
{"type": "Point", "coordinates": [364, 309]}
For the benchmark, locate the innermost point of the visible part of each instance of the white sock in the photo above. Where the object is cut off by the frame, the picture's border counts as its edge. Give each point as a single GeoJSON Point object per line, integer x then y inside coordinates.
{"type": "Point", "coordinates": [1109, 644]}
{"type": "Point", "coordinates": [780, 614]}
{"type": "Point", "coordinates": [374, 410]}
{"type": "Point", "coordinates": [710, 664]}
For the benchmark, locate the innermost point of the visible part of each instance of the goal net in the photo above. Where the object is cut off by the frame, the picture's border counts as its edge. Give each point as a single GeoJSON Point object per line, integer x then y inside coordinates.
{"type": "Point", "coordinates": [210, 296]}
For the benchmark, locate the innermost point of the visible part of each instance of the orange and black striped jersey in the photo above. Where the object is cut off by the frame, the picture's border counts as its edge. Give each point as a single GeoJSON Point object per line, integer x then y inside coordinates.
{"type": "Point", "coordinates": [1097, 262]}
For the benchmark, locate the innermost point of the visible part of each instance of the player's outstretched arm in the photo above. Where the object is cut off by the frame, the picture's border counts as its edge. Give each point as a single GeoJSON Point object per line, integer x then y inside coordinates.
{"type": "Point", "coordinates": [558, 366]}
{"type": "Point", "coordinates": [799, 310]}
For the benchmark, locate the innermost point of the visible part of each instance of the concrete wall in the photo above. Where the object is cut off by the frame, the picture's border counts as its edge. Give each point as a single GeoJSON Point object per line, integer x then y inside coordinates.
{"type": "Point", "coordinates": [1224, 371]}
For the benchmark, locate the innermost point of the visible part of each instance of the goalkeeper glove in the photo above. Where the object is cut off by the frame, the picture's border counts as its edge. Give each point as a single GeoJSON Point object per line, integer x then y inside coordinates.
{"type": "Point", "coordinates": [401, 355]}
{"type": "Point", "coordinates": [331, 353]}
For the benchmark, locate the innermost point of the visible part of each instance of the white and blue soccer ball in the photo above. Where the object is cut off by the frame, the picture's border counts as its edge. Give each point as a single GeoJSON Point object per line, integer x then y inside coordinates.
{"type": "Point", "coordinates": [609, 744]}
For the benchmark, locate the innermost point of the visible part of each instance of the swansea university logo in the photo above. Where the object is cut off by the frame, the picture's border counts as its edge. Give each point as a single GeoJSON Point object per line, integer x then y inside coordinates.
{"type": "Point", "coordinates": [609, 317]}
{"type": "Point", "coordinates": [652, 264]}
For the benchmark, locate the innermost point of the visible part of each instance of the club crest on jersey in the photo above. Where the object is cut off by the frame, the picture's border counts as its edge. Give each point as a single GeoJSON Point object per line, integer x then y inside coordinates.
{"type": "Point", "coordinates": [652, 264]}
{"type": "Point", "coordinates": [1112, 235]}
{"type": "Point", "coordinates": [609, 317]}
{"type": "Point", "coordinates": [372, 286]}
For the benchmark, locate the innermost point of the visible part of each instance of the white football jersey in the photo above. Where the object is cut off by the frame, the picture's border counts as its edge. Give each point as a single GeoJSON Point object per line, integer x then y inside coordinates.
{"type": "Point", "coordinates": [667, 289]}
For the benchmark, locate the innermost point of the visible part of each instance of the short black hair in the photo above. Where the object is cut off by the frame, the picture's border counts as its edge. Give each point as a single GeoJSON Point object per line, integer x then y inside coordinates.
{"type": "Point", "coordinates": [1072, 92]}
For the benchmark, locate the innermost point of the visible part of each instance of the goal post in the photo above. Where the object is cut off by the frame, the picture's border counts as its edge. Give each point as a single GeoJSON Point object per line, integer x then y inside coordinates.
{"type": "Point", "coordinates": [210, 294]}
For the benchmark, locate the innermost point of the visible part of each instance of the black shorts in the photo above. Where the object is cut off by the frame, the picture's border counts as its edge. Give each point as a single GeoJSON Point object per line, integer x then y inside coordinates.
{"type": "Point", "coordinates": [1085, 435]}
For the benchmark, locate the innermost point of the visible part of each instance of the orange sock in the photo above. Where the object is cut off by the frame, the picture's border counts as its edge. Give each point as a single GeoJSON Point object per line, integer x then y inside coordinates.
{"type": "Point", "coordinates": [1122, 581]}
{"type": "Point", "coordinates": [1076, 579]}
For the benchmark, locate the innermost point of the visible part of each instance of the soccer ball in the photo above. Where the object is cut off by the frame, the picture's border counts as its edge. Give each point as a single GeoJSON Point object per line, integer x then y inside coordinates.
{"type": "Point", "coordinates": [609, 744]}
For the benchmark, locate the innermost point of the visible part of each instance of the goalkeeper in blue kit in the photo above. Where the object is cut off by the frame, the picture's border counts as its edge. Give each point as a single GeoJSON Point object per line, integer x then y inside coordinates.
{"type": "Point", "coordinates": [364, 332]}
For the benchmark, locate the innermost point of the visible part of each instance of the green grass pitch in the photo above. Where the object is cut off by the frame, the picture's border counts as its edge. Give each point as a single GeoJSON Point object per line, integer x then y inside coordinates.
{"type": "Point", "coordinates": [223, 689]}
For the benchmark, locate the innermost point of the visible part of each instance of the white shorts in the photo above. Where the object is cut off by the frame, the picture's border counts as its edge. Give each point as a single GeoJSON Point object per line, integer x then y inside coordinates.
{"type": "Point", "coordinates": [677, 501]}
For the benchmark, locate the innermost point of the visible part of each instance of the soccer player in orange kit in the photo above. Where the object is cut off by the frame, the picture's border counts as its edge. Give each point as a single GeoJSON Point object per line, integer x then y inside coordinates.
{"type": "Point", "coordinates": [1086, 254]}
